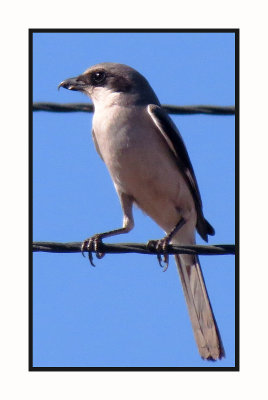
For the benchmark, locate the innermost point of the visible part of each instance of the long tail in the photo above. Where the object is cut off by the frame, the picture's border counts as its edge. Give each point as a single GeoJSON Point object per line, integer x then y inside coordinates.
{"type": "Point", "coordinates": [204, 325]}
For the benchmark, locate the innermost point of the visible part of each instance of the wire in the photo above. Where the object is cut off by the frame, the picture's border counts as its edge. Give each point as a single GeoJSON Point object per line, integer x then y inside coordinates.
{"type": "Point", "coordinates": [75, 247]}
{"type": "Point", "coordinates": [171, 109]}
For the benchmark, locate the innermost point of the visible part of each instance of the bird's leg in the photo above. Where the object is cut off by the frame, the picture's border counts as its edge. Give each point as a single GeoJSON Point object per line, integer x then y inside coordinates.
{"type": "Point", "coordinates": [161, 245]}
{"type": "Point", "coordinates": [94, 242]}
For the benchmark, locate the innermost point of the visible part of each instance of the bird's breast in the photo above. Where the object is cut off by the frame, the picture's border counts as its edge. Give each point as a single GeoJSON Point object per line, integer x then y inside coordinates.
{"type": "Point", "coordinates": [129, 144]}
{"type": "Point", "coordinates": [140, 161]}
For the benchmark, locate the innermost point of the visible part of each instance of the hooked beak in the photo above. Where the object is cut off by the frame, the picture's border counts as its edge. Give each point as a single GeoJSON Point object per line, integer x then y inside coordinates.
{"type": "Point", "coordinates": [72, 84]}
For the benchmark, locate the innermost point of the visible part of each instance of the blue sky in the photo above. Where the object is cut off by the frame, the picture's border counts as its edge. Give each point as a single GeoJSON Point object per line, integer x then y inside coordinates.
{"type": "Point", "coordinates": [126, 312]}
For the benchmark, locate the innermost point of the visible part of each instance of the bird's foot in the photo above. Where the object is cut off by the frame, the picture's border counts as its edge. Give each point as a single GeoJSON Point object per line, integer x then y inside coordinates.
{"type": "Point", "coordinates": [161, 246]}
{"type": "Point", "coordinates": [92, 244]}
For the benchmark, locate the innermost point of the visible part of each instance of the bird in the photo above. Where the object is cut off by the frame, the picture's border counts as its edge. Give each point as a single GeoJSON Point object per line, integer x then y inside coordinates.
{"type": "Point", "coordinates": [150, 167]}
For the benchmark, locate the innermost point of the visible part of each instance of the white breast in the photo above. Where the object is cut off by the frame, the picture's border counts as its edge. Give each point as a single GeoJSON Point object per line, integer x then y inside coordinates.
{"type": "Point", "coordinates": [140, 162]}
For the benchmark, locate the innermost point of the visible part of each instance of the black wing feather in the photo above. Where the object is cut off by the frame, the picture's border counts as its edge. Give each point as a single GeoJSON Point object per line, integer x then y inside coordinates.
{"type": "Point", "coordinates": [175, 142]}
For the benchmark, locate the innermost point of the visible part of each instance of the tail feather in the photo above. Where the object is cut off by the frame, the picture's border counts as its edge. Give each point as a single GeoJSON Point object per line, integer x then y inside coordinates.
{"type": "Point", "coordinates": [203, 322]}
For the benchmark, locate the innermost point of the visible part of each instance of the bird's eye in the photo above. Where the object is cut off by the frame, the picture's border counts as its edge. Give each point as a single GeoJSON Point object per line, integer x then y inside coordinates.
{"type": "Point", "coordinates": [98, 77]}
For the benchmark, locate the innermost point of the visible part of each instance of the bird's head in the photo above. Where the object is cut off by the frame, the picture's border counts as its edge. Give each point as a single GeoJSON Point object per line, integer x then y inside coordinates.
{"type": "Point", "coordinates": [103, 80]}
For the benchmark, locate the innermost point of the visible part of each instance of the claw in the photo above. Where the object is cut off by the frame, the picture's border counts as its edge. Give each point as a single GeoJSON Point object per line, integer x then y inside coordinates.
{"type": "Point", "coordinates": [166, 261]}
{"type": "Point", "coordinates": [161, 247]}
{"type": "Point", "coordinates": [163, 261]}
{"type": "Point", "coordinates": [83, 248]}
{"type": "Point", "coordinates": [97, 242]}
{"type": "Point", "coordinates": [91, 244]}
{"type": "Point", "coordinates": [99, 255]}
{"type": "Point", "coordinates": [90, 257]}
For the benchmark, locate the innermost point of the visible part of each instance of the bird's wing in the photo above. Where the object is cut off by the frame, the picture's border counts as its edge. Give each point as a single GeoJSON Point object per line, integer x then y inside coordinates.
{"type": "Point", "coordinates": [175, 142]}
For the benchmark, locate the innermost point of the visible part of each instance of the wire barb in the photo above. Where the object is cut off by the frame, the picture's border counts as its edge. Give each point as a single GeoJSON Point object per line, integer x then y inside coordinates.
{"type": "Point", "coordinates": [141, 248]}
{"type": "Point", "coordinates": [171, 109]}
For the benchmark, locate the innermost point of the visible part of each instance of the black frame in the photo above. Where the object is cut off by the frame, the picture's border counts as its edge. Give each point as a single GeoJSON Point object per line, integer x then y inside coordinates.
{"type": "Point", "coordinates": [237, 333]}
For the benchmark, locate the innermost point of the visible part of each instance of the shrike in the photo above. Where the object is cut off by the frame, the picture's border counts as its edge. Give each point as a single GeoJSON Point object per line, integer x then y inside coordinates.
{"type": "Point", "coordinates": [149, 165]}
